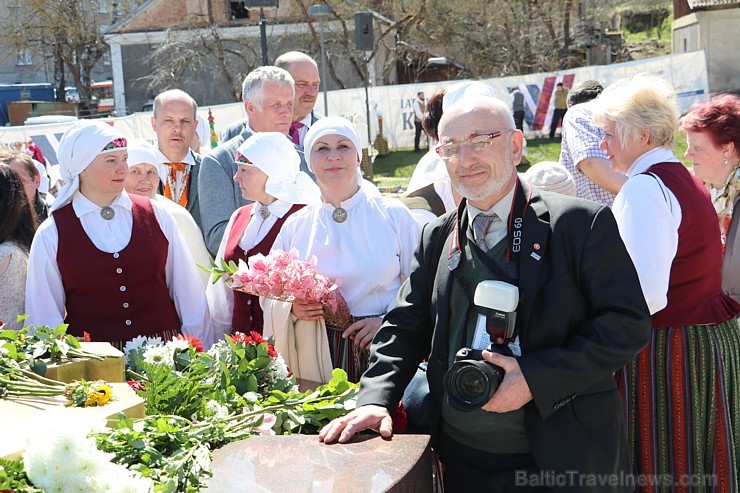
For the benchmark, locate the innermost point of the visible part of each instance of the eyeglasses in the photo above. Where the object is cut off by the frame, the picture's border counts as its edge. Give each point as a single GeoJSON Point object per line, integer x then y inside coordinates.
{"type": "Point", "coordinates": [475, 143]}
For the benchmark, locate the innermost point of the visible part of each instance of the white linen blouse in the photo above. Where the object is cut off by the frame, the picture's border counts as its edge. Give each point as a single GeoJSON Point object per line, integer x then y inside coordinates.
{"type": "Point", "coordinates": [369, 252]}
{"type": "Point", "coordinates": [648, 215]}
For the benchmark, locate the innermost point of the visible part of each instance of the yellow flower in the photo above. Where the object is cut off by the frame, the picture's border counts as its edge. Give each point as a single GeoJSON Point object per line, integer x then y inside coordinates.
{"type": "Point", "coordinates": [101, 394]}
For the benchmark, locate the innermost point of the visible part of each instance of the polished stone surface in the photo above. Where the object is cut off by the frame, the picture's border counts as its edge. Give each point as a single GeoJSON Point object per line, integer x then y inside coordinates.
{"type": "Point", "coordinates": [301, 463]}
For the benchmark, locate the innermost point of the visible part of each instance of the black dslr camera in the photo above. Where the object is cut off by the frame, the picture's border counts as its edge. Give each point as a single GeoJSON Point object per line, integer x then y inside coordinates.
{"type": "Point", "coordinates": [471, 381]}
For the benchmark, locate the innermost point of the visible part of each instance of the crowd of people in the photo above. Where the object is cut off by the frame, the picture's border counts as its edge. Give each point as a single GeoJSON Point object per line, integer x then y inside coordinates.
{"type": "Point", "coordinates": [625, 356]}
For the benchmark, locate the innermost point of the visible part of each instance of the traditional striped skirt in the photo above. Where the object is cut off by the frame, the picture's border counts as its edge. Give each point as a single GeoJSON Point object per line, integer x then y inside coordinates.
{"type": "Point", "coordinates": [682, 397]}
{"type": "Point", "coordinates": [344, 354]}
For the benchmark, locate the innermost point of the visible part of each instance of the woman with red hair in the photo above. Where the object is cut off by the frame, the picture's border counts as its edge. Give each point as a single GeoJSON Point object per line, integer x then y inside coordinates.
{"type": "Point", "coordinates": [712, 129]}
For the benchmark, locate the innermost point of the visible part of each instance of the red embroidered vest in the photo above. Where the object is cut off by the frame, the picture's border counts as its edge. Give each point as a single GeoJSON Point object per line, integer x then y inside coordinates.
{"type": "Point", "coordinates": [695, 293]}
{"type": "Point", "coordinates": [116, 296]}
{"type": "Point", "coordinates": [247, 314]}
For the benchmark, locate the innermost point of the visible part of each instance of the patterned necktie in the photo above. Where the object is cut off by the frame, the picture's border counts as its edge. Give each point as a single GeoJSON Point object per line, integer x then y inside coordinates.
{"type": "Point", "coordinates": [295, 132]}
{"type": "Point", "coordinates": [171, 191]}
{"type": "Point", "coordinates": [481, 224]}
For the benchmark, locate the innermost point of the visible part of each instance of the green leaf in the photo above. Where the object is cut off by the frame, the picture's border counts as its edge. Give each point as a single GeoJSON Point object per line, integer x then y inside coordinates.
{"type": "Point", "coordinates": [9, 335]}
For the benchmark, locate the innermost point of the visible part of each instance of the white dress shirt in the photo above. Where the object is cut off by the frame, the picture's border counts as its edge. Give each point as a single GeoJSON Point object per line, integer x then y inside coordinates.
{"type": "Point", "coordinates": [369, 252]}
{"type": "Point", "coordinates": [648, 215]}
{"type": "Point", "coordinates": [220, 296]}
{"type": "Point", "coordinates": [164, 170]}
{"type": "Point", "coordinates": [45, 295]}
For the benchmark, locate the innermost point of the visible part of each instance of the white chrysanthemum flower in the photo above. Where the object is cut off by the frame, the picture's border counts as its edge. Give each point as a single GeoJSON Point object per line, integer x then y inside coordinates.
{"type": "Point", "coordinates": [178, 344]}
{"type": "Point", "coordinates": [138, 345]}
{"type": "Point", "coordinates": [160, 355]}
{"type": "Point", "coordinates": [220, 351]}
{"type": "Point", "coordinates": [217, 409]}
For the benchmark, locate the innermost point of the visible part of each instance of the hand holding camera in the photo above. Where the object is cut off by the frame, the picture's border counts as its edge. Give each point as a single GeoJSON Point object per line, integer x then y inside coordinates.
{"type": "Point", "coordinates": [472, 380]}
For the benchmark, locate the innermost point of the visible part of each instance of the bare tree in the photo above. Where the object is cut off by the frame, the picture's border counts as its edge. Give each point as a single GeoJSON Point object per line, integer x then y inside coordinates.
{"type": "Point", "coordinates": [68, 32]}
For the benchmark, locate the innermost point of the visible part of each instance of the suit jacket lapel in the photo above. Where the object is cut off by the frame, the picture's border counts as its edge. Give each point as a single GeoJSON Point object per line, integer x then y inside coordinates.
{"type": "Point", "coordinates": [449, 260]}
{"type": "Point", "coordinates": [535, 233]}
{"type": "Point", "coordinates": [193, 186]}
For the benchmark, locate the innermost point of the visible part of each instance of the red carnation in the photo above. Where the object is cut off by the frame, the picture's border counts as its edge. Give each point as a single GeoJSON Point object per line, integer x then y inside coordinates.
{"type": "Point", "coordinates": [86, 337]}
{"type": "Point", "coordinates": [135, 385]}
{"type": "Point", "coordinates": [192, 340]}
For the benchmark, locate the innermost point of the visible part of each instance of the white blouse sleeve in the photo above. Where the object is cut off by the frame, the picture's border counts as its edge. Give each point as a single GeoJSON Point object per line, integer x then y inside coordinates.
{"type": "Point", "coordinates": [408, 232]}
{"type": "Point", "coordinates": [648, 215]}
{"type": "Point", "coordinates": [184, 285]}
{"type": "Point", "coordinates": [220, 297]}
{"type": "Point", "coordinates": [45, 298]}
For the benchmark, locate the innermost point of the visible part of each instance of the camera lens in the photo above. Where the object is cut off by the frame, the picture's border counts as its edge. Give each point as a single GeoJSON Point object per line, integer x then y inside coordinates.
{"type": "Point", "coordinates": [470, 384]}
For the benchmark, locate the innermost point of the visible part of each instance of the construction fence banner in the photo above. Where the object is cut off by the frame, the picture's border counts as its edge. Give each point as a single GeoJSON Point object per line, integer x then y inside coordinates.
{"type": "Point", "coordinates": [687, 73]}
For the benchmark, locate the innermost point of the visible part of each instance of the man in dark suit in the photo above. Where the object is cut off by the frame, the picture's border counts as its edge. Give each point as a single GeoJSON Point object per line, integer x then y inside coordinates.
{"type": "Point", "coordinates": [174, 122]}
{"type": "Point", "coordinates": [268, 100]}
{"type": "Point", "coordinates": [305, 74]}
{"type": "Point", "coordinates": [580, 317]}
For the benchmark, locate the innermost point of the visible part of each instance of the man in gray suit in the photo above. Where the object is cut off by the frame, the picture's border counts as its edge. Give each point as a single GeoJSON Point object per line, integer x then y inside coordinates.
{"type": "Point", "coordinates": [305, 73]}
{"type": "Point", "coordinates": [268, 100]}
{"type": "Point", "coordinates": [174, 122]}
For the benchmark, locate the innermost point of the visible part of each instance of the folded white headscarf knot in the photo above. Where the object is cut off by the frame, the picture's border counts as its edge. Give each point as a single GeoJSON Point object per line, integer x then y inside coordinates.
{"type": "Point", "coordinates": [274, 154]}
{"type": "Point", "coordinates": [79, 146]}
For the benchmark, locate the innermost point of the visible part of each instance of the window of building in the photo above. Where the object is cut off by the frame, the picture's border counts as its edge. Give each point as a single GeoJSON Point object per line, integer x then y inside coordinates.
{"type": "Point", "coordinates": [239, 11]}
{"type": "Point", "coordinates": [24, 57]}
{"type": "Point", "coordinates": [106, 58]}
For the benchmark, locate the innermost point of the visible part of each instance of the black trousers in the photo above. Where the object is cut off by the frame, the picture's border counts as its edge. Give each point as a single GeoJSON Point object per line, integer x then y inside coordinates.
{"type": "Point", "coordinates": [519, 120]}
{"type": "Point", "coordinates": [557, 117]}
{"type": "Point", "coordinates": [466, 469]}
{"type": "Point", "coordinates": [417, 137]}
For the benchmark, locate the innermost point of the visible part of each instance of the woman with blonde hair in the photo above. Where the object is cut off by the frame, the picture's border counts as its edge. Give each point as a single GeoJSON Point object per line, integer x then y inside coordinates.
{"type": "Point", "coordinates": [682, 391]}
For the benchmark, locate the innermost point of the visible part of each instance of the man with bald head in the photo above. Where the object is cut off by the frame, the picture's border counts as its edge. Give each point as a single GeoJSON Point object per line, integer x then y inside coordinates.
{"type": "Point", "coordinates": [580, 316]}
{"type": "Point", "coordinates": [174, 121]}
{"type": "Point", "coordinates": [305, 74]}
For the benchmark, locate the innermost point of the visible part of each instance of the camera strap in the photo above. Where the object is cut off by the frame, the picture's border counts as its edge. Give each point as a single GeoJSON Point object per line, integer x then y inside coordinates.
{"type": "Point", "coordinates": [519, 203]}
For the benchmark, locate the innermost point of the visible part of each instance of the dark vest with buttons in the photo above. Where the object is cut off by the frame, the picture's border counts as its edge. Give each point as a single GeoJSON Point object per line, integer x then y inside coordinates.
{"type": "Point", "coordinates": [115, 296]}
{"type": "Point", "coordinates": [695, 295]}
{"type": "Point", "coordinates": [247, 314]}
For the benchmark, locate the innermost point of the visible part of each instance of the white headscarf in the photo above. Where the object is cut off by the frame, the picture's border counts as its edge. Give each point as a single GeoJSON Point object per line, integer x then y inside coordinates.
{"type": "Point", "coordinates": [274, 154]}
{"type": "Point", "coordinates": [44, 178]}
{"type": "Point", "coordinates": [463, 90]}
{"type": "Point", "coordinates": [140, 151]}
{"type": "Point", "coordinates": [331, 125]}
{"type": "Point", "coordinates": [203, 134]}
{"type": "Point", "coordinates": [80, 145]}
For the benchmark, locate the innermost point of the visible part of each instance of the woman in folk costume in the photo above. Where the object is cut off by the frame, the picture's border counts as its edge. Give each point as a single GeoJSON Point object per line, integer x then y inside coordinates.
{"type": "Point", "coordinates": [143, 179]}
{"type": "Point", "coordinates": [268, 174]}
{"type": "Point", "coordinates": [682, 392]}
{"type": "Point", "coordinates": [108, 263]}
{"type": "Point", "coordinates": [357, 235]}
{"type": "Point", "coordinates": [712, 129]}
